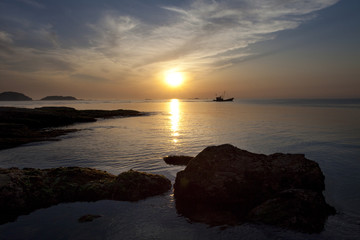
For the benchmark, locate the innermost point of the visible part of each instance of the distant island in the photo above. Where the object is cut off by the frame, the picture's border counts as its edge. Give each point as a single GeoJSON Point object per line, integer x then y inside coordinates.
{"type": "Point", "coordinates": [14, 96]}
{"type": "Point", "coordinates": [58, 98]}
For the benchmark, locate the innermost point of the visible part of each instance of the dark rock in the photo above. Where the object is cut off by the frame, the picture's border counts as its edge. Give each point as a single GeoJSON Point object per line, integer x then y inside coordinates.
{"type": "Point", "coordinates": [22, 191]}
{"type": "Point", "coordinates": [88, 218]}
{"type": "Point", "coordinates": [58, 98]}
{"type": "Point", "coordinates": [13, 96]}
{"type": "Point", "coordinates": [229, 183]}
{"type": "Point", "coordinates": [138, 185]}
{"type": "Point", "coordinates": [45, 117]}
{"type": "Point", "coordinates": [23, 125]}
{"type": "Point", "coordinates": [299, 209]}
{"type": "Point", "coordinates": [178, 160]}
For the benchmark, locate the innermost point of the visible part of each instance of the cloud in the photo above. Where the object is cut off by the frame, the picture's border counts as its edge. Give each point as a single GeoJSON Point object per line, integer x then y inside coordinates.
{"type": "Point", "coordinates": [88, 78]}
{"type": "Point", "coordinates": [200, 36]}
{"type": "Point", "coordinates": [203, 35]}
{"type": "Point", "coordinates": [5, 43]}
{"type": "Point", "coordinates": [114, 35]}
{"type": "Point", "coordinates": [48, 34]}
{"type": "Point", "coordinates": [5, 37]}
{"type": "Point", "coordinates": [31, 60]}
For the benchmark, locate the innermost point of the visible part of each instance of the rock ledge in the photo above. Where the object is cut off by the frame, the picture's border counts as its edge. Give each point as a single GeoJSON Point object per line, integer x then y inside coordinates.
{"type": "Point", "coordinates": [22, 125]}
{"type": "Point", "coordinates": [22, 191]}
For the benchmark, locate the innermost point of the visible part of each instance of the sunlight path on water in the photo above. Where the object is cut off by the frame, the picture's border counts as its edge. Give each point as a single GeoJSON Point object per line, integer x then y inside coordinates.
{"type": "Point", "coordinates": [175, 119]}
{"type": "Point", "coordinates": [327, 135]}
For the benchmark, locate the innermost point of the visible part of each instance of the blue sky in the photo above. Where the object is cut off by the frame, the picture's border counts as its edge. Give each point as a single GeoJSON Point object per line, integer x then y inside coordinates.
{"type": "Point", "coordinates": [121, 49]}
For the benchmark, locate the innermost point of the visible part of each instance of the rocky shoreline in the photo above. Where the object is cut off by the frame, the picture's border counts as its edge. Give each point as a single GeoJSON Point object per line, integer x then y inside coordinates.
{"type": "Point", "coordinates": [22, 125]}
{"type": "Point", "coordinates": [25, 190]}
{"type": "Point", "coordinates": [222, 185]}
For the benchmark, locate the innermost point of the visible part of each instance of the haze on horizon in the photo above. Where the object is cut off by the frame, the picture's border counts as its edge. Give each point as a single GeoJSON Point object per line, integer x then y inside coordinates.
{"type": "Point", "coordinates": [122, 49]}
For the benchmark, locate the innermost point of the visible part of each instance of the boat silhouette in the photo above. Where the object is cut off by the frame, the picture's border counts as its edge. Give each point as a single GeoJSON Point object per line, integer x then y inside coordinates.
{"type": "Point", "coordinates": [222, 99]}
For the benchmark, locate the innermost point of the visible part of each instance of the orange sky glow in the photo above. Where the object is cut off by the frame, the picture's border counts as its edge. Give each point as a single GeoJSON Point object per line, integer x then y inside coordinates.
{"type": "Point", "coordinates": [126, 50]}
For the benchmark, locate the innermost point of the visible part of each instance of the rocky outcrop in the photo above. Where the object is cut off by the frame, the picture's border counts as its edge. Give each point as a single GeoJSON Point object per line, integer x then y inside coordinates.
{"type": "Point", "coordinates": [58, 98]}
{"type": "Point", "coordinates": [13, 96]}
{"type": "Point", "coordinates": [22, 191]}
{"type": "Point", "coordinates": [227, 185]}
{"type": "Point", "coordinates": [178, 160]}
{"type": "Point", "coordinates": [23, 125]}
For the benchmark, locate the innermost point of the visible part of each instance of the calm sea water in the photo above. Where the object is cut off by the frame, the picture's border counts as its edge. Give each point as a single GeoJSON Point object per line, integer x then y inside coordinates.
{"type": "Point", "coordinates": [326, 131]}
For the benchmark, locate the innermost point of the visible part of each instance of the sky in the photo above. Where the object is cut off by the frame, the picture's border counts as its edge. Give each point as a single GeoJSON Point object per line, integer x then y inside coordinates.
{"type": "Point", "coordinates": [111, 49]}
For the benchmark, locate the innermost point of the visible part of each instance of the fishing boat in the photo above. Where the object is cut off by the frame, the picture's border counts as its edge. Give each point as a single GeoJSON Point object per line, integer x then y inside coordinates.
{"type": "Point", "coordinates": [222, 99]}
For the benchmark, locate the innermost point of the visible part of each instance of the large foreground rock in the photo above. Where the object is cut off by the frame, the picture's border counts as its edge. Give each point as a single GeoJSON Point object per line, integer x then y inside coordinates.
{"type": "Point", "coordinates": [226, 185]}
{"type": "Point", "coordinates": [22, 191]}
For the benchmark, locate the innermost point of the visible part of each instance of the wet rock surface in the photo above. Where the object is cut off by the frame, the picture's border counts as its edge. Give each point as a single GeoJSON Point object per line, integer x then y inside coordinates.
{"type": "Point", "coordinates": [22, 125]}
{"type": "Point", "coordinates": [227, 185]}
{"type": "Point", "coordinates": [24, 190]}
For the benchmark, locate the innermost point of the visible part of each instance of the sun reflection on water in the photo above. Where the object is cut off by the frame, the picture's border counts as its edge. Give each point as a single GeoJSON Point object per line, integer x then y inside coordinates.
{"type": "Point", "coordinates": [174, 119]}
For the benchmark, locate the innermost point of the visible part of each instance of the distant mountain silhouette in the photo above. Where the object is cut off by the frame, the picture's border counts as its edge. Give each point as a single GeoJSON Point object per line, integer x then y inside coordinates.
{"type": "Point", "coordinates": [52, 98]}
{"type": "Point", "coordinates": [13, 96]}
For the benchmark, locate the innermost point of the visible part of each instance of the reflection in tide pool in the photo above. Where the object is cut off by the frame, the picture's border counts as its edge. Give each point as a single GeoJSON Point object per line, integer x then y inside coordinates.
{"type": "Point", "coordinates": [174, 119]}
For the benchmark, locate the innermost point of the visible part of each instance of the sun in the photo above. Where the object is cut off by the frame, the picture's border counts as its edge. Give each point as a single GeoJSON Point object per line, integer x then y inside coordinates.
{"type": "Point", "coordinates": [174, 78]}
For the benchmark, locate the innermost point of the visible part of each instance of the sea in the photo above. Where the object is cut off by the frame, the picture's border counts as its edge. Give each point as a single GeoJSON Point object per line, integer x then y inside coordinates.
{"type": "Point", "coordinates": [325, 130]}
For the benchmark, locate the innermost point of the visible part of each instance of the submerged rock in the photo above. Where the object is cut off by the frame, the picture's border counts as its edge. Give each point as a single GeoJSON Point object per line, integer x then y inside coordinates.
{"type": "Point", "coordinates": [227, 185]}
{"type": "Point", "coordinates": [22, 191]}
{"type": "Point", "coordinates": [178, 160]}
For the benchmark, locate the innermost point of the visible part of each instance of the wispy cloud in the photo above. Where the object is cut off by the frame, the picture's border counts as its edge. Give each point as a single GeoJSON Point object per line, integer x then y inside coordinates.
{"type": "Point", "coordinates": [202, 35]}
{"type": "Point", "coordinates": [31, 60]}
{"type": "Point", "coordinates": [5, 43]}
{"type": "Point", "coordinates": [5, 37]}
{"type": "Point", "coordinates": [88, 78]}
{"type": "Point", "coordinates": [198, 37]}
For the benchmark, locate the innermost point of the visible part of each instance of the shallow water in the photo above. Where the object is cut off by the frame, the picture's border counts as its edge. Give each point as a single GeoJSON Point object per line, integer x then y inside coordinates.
{"type": "Point", "coordinates": [327, 132]}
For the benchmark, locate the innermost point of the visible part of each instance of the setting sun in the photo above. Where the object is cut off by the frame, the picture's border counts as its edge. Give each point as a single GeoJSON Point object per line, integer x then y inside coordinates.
{"type": "Point", "coordinates": [174, 78]}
